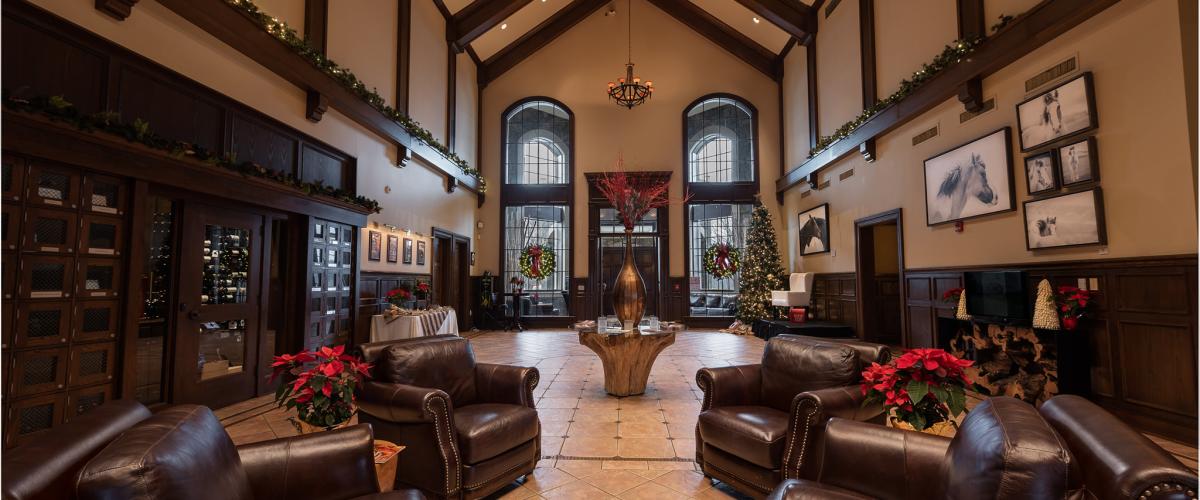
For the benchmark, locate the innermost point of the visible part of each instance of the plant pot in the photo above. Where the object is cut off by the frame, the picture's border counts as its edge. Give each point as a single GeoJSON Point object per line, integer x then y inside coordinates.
{"type": "Point", "coordinates": [944, 428]}
{"type": "Point", "coordinates": [629, 291]}
{"type": "Point", "coordinates": [306, 428]}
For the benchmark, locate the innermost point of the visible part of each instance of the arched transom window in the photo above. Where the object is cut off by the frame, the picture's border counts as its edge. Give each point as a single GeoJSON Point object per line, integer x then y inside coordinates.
{"type": "Point", "coordinates": [720, 135]}
{"type": "Point", "coordinates": [537, 144]}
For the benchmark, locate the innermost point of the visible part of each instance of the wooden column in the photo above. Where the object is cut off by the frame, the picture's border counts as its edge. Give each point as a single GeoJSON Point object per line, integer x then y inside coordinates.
{"type": "Point", "coordinates": [814, 134]}
{"type": "Point", "coordinates": [403, 35]}
{"type": "Point", "coordinates": [870, 89]}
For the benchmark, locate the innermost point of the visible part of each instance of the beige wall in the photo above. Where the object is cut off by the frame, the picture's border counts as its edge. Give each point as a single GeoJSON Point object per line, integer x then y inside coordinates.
{"type": "Point", "coordinates": [466, 105]}
{"type": "Point", "coordinates": [839, 73]}
{"type": "Point", "coordinates": [899, 48]}
{"type": "Point", "coordinates": [1133, 50]}
{"type": "Point", "coordinates": [795, 106]}
{"type": "Point", "coordinates": [427, 68]}
{"type": "Point", "coordinates": [575, 68]}
{"type": "Point", "coordinates": [412, 197]}
{"type": "Point", "coordinates": [363, 37]}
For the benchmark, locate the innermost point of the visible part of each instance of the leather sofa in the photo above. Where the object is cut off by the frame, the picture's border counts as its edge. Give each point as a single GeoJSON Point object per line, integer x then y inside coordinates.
{"type": "Point", "coordinates": [1117, 461]}
{"type": "Point", "coordinates": [184, 453]}
{"type": "Point", "coordinates": [1003, 450]}
{"type": "Point", "coordinates": [759, 424]}
{"type": "Point", "coordinates": [469, 428]}
{"type": "Point", "coordinates": [712, 304]}
{"type": "Point", "coordinates": [45, 469]}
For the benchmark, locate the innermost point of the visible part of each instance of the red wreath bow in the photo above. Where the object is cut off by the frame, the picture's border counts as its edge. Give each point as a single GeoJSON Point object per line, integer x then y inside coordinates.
{"type": "Point", "coordinates": [722, 260]}
{"type": "Point", "coordinates": [535, 260]}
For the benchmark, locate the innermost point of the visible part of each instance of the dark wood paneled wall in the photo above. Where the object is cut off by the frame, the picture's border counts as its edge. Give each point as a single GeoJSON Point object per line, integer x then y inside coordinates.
{"type": "Point", "coordinates": [835, 298]}
{"type": "Point", "coordinates": [45, 55]}
{"type": "Point", "coordinates": [372, 290]}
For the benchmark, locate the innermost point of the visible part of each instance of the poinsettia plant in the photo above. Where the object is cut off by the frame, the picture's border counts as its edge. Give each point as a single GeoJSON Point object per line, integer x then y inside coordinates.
{"type": "Point", "coordinates": [921, 387]}
{"type": "Point", "coordinates": [422, 291]}
{"type": "Point", "coordinates": [399, 296]}
{"type": "Point", "coordinates": [319, 384]}
{"type": "Point", "coordinates": [1072, 305]}
{"type": "Point", "coordinates": [951, 295]}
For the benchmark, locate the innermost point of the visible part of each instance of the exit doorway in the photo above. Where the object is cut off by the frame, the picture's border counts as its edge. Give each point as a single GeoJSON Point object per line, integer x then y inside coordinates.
{"type": "Point", "coordinates": [879, 255]}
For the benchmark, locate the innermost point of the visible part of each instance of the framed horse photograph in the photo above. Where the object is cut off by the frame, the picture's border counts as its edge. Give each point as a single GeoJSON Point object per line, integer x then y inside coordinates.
{"type": "Point", "coordinates": [1040, 175]}
{"type": "Point", "coordinates": [374, 241]}
{"type": "Point", "coordinates": [1065, 220]}
{"type": "Point", "coordinates": [971, 180]}
{"type": "Point", "coordinates": [1063, 111]}
{"type": "Point", "coordinates": [1078, 163]}
{"type": "Point", "coordinates": [393, 248]}
{"type": "Point", "coordinates": [814, 230]}
{"type": "Point", "coordinates": [408, 251]}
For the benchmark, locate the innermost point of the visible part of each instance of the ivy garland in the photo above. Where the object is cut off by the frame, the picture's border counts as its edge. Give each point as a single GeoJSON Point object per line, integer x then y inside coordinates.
{"type": "Point", "coordinates": [718, 253]}
{"type": "Point", "coordinates": [138, 131]}
{"type": "Point", "coordinates": [537, 262]}
{"type": "Point", "coordinates": [284, 33]}
{"type": "Point", "coordinates": [951, 55]}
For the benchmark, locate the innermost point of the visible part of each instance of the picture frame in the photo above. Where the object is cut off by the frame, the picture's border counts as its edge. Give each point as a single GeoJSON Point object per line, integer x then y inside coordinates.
{"type": "Point", "coordinates": [1062, 111]}
{"type": "Point", "coordinates": [1041, 173]}
{"type": "Point", "coordinates": [1065, 220]}
{"type": "Point", "coordinates": [408, 250]}
{"type": "Point", "coordinates": [970, 180]}
{"type": "Point", "coordinates": [814, 230]}
{"type": "Point", "coordinates": [1079, 163]}
{"type": "Point", "coordinates": [393, 248]}
{"type": "Point", "coordinates": [421, 253]}
{"type": "Point", "coordinates": [374, 242]}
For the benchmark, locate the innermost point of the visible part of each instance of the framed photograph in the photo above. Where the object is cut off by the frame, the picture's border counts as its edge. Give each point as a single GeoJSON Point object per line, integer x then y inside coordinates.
{"type": "Point", "coordinates": [374, 240]}
{"type": "Point", "coordinates": [1079, 163]}
{"type": "Point", "coordinates": [421, 253]}
{"type": "Point", "coordinates": [1065, 220]}
{"type": "Point", "coordinates": [1040, 175]}
{"type": "Point", "coordinates": [971, 180]}
{"type": "Point", "coordinates": [393, 251]}
{"type": "Point", "coordinates": [814, 230]}
{"type": "Point", "coordinates": [408, 251]}
{"type": "Point", "coordinates": [1065, 110]}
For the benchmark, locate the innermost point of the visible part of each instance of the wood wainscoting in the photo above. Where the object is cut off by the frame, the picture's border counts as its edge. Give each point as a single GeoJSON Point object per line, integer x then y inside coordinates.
{"type": "Point", "coordinates": [835, 298]}
{"type": "Point", "coordinates": [373, 288]}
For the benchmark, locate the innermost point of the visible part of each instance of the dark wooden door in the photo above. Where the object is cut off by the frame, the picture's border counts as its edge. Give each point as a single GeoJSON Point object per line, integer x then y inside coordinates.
{"type": "Point", "coordinates": [612, 257]}
{"type": "Point", "coordinates": [461, 299]}
{"type": "Point", "coordinates": [220, 263]}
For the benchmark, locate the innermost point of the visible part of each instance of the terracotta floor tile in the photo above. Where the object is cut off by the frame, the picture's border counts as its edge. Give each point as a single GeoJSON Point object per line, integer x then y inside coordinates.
{"type": "Point", "coordinates": [514, 492]}
{"type": "Point", "coordinates": [615, 482]}
{"type": "Point", "coordinates": [580, 468]}
{"type": "Point", "coordinates": [584, 428]}
{"type": "Point", "coordinates": [639, 404]}
{"type": "Point", "coordinates": [551, 414]}
{"type": "Point", "coordinates": [541, 480]}
{"type": "Point", "coordinates": [688, 483]}
{"type": "Point", "coordinates": [551, 446]}
{"type": "Point", "coordinates": [598, 404]}
{"type": "Point", "coordinates": [555, 428]}
{"type": "Point", "coordinates": [623, 465]}
{"type": "Point", "coordinates": [594, 415]}
{"type": "Point", "coordinates": [670, 465]}
{"type": "Point", "coordinates": [649, 491]}
{"type": "Point", "coordinates": [683, 430]}
{"type": "Point", "coordinates": [684, 448]}
{"type": "Point", "coordinates": [552, 403]}
{"type": "Point", "coordinates": [645, 448]}
{"type": "Point", "coordinates": [641, 416]}
{"type": "Point", "coordinates": [638, 429]}
{"type": "Point", "coordinates": [577, 490]}
{"type": "Point", "coordinates": [590, 447]}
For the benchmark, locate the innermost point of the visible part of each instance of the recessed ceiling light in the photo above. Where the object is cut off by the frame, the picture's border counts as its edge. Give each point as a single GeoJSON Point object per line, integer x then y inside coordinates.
{"type": "Point", "coordinates": [504, 26]}
{"type": "Point", "coordinates": [756, 21]}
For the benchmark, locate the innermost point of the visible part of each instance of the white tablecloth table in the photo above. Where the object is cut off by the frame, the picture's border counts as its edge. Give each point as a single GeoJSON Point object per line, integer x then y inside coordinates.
{"type": "Point", "coordinates": [420, 325]}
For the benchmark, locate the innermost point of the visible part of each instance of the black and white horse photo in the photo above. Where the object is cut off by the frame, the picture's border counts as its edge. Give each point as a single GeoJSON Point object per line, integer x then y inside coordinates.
{"type": "Point", "coordinates": [1056, 113]}
{"type": "Point", "coordinates": [814, 230]}
{"type": "Point", "coordinates": [1075, 162]}
{"type": "Point", "coordinates": [1039, 173]}
{"type": "Point", "coordinates": [1065, 220]}
{"type": "Point", "coordinates": [970, 180]}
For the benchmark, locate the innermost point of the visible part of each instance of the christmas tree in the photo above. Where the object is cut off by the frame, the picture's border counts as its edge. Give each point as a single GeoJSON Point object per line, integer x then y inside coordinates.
{"type": "Point", "coordinates": [761, 270]}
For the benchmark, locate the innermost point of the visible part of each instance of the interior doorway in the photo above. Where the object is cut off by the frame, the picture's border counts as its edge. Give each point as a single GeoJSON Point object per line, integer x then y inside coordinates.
{"type": "Point", "coordinates": [879, 254]}
{"type": "Point", "coordinates": [610, 256]}
{"type": "Point", "coordinates": [451, 270]}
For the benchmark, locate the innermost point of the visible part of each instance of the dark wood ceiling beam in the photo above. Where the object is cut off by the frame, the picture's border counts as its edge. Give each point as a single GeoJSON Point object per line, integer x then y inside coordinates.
{"type": "Point", "coordinates": [793, 17]}
{"type": "Point", "coordinates": [1026, 33]}
{"type": "Point", "coordinates": [535, 39]}
{"type": "Point", "coordinates": [118, 9]}
{"type": "Point", "coordinates": [316, 24]}
{"type": "Point", "coordinates": [235, 28]}
{"type": "Point", "coordinates": [403, 57]}
{"type": "Point", "coordinates": [721, 34]}
{"type": "Point", "coordinates": [479, 17]}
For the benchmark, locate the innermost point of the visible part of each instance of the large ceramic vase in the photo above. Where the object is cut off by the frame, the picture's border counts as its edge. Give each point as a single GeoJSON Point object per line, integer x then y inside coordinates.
{"type": "Point", "coordinates": [629, 292]}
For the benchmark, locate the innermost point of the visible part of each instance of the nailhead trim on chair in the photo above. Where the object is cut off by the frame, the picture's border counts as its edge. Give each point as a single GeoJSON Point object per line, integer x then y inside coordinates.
{"type": "Point", "coordinates": [704, 387]}
{"type": "Point", "coordinates": [1165, 487]}
{"type": "Point", "coordinates": [437, 425]}
{"type": "Point", "coordinates": [533, 382]}
{"type": "Point", "coordinates": [787, 458]}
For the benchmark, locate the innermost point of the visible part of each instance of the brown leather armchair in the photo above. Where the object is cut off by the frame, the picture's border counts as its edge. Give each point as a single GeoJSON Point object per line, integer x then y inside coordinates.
{"type": "Point", "coordinates": [469, 428]}
{"type": "Point", "coordinates": [46, 468]}
{"type": "Point", "coordinates": [183, 453]}
{"type": "Point", "coordinates": [759, 423]}
{"type": "Point", "coordinates": [1117, 461]}
{"type": "Point", "coordinates": [1004, 450]}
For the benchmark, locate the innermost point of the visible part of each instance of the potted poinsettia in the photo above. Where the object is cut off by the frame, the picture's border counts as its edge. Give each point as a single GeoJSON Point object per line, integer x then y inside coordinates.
{"type": "Point", "coordinates": [319, 385]}
{"type": "Point", "coordinates": [1072, 305]}
{"type": "Point", "coordinates": [923, 390]}
{"type": "Point", "coordinates": [421, 292]}
{"type": "Point", "coordinates": [401, 296]}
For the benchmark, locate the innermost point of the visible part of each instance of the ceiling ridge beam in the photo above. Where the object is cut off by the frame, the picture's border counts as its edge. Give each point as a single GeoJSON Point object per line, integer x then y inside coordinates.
{"type": "Point", "coordinates": [477, 18]}
{"type": "Point", "coordinates": [538, 37]}
{"type": "Point", "coordinates": [794, 18]}
{"type": "Point", "coordinates": [741, 46]}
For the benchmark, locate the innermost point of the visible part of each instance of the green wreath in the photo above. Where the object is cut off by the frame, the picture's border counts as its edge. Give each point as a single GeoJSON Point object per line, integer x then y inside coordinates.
{"type": "Point", "coordinates": [537, 262]}
{"type": "Point", "coordinates": [721, 260]}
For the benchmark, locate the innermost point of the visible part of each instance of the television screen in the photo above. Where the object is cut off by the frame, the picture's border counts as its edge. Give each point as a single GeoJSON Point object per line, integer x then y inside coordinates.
{"type": "Point", "coordinates": [997, 295]}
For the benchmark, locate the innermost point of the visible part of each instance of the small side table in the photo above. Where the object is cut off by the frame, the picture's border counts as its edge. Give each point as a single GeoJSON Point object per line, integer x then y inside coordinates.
{"type": "Point", "coordinates": [385, 463]}
{"type": "Point", "coordinates": [515, 322]}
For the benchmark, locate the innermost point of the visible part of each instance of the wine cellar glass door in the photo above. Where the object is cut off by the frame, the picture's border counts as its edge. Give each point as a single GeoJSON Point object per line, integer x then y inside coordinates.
{"type": "Point", "coordinates": [219, 283]}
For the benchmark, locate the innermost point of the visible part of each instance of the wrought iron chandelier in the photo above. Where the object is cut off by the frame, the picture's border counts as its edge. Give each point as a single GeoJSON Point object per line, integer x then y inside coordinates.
{"type": "Point", "coordinates": [630, 91]}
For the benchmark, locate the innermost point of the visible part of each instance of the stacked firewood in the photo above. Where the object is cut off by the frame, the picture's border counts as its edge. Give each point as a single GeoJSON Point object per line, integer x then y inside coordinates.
{"type": "Point", "coordinates": [1009, 361]}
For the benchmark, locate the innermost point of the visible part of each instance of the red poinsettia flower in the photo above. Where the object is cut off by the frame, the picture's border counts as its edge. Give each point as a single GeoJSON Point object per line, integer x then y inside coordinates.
{"type": "Point", "coordinates": [1070, 322]}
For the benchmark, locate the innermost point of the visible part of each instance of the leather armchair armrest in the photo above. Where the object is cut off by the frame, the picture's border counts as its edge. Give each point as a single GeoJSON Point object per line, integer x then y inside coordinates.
{"type": "Point", "coordinates": [334, 464]}
{"type": "Point", "coordinates": [505, 384]}
{"type": "Point", "coordinates": [809, 412]}
{"type": "Point", "coordinates": [403, 404]}
{"type": "Point", "coordinates": [901, 464]}
{"type": "Point", "coordinates": [730, 386]}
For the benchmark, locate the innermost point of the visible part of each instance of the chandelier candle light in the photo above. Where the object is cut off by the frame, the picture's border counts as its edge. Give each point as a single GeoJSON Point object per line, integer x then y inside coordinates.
{"type": "Point", "coordinates": [630, 91]}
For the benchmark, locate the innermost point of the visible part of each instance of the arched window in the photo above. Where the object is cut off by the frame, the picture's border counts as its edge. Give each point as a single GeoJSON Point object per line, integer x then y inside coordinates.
{"type": "Point", "coordinates": [536, 198]}
{"type": "Point", "coordinates": [721, 168]}
{"type": "Point", "coordinates": [537, 143]}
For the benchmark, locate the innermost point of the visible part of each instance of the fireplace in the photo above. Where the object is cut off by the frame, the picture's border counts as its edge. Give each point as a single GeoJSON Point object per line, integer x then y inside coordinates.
{"type": "Point", "coordinates": [1019, 361]}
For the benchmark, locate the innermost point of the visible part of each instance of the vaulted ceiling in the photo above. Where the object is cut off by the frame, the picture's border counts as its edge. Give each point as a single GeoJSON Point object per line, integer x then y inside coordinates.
{"type": "Point", "coordinates": [501, 33]}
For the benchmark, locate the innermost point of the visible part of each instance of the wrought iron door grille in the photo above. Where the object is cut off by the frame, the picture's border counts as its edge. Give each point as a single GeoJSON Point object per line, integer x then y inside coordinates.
{"type": "Point", "coordinates": [47, 277]}
{"type": "Point", "coordinates": [36, 418]}
{"type": "Point", "coordinates": [93, 363]}
{"type": "Point", "coordinates": [53, 186]}
{"type": "Point", "coordinates": [40, 370]}
{"type": "Point", "coordinates": [44, 323]}
{"type": "Point", "coordinates": [99, 277]}
{"type": "Point", "coordinates": [50, 231]}
{"type": "Point", "coordinates": [96, 319]}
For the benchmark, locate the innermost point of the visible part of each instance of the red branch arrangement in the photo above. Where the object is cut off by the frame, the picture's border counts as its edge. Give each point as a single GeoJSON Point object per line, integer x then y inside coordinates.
{"type": "Point", "coordinates": [633, 195]}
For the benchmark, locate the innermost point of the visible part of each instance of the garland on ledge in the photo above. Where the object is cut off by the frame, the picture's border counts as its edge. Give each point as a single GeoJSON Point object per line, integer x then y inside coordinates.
{"type": "Point", "coordinates": [138, 131]}
{"type": "Point", "coordinates": [721, 260]}
{"type": "Point", "coordinates": [284, 33]}
{"type": "Point", "coordinates": [951, 55]}
{"type": "Point", "coordinates": [537, 262]}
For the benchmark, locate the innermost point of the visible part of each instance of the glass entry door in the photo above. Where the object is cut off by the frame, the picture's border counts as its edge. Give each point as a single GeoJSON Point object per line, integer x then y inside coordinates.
{"type": "Point", "coordinates": [219, 278]}
{"type": "Point", "coordinates": [611, 256]}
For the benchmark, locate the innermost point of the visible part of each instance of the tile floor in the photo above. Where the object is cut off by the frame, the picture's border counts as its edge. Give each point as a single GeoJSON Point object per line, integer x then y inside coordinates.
{"type": "Point", "coordinates": [594, 445]}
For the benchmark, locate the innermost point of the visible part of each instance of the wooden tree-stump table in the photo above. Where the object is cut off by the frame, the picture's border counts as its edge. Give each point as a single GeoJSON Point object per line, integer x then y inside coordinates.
{"type": "Point", "coordinates": [627, 357]}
